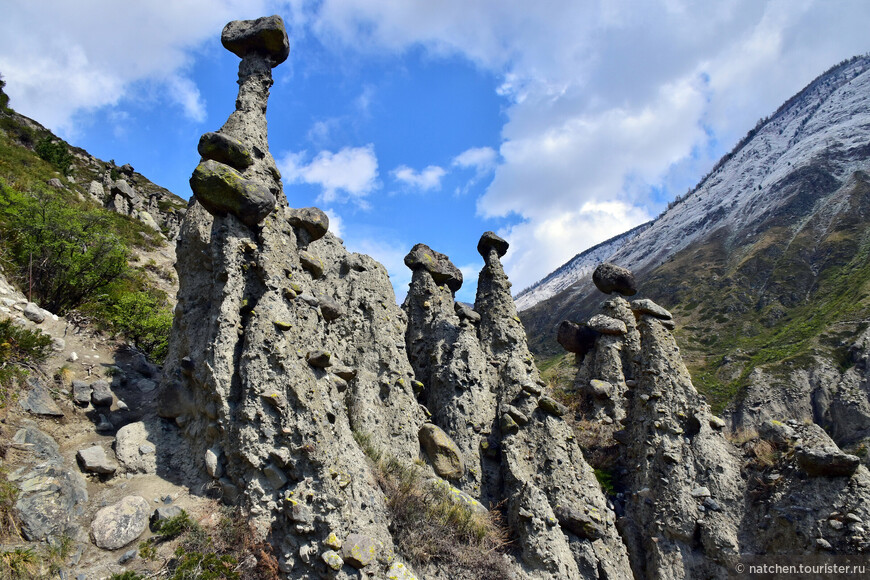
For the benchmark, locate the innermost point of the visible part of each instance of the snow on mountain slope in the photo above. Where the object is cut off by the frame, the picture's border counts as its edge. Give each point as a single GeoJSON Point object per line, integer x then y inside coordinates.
{"type": "Point", "coordinates": [830, 116]}
{"type": "Point", "coordinates": [828, 122]}
{"type": "Point", "coordinates": [580, 266]}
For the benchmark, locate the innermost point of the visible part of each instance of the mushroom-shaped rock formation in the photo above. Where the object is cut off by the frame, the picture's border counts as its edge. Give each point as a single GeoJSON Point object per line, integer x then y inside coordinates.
{"type": "Point", "coordinates": [265, 37]}
{"type": "Point", "coordinates": [437, 264]}
{"type": "Point", "coordinates": [612, 278]}
{"type": "Point", "coordinates": [491, 241]}
{"type": "Point", "coordinates": [237, 174]}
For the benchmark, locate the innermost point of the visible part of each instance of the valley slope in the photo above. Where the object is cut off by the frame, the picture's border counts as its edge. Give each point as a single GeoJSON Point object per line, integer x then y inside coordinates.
{"type": "Point", "coordinates": [764, 264]}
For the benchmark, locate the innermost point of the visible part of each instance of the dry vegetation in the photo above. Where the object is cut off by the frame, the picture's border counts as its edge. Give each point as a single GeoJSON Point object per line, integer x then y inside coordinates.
{"type": "Point", "coordinates": [432, 527]}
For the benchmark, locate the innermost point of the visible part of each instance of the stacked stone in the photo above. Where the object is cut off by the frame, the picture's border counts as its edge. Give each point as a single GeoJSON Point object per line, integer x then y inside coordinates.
{"type": "Point", "coordinates": [237, 175]}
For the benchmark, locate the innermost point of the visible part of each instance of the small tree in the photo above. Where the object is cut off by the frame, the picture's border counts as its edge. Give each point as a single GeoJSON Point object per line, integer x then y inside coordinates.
{"type": "Point", "coordinates": [55, 152]}
{"type": "Point", "coordinates": [4, 98]}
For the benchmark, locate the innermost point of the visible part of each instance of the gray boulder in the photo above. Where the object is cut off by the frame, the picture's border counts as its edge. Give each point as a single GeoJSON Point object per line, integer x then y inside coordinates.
{"type": "Point", "coordinates": [220, 189]}
{"type": "Point", "coordinates": [266, 37]}
{"type": "Point", "coordinates": [51, 496]}
{"type": "Point", "coordinates": [359, 550]}
{"type": "Point", "coordinates": [576, 338]}
{"type": "Point", "coordinates": [439, 266]}
{"type": "Point", "coordinates": [647, 306]}
{"type": "Point", "coordinates": [827, 462]}
{"type": "Point", "coordinates": [101, 394]}
{"type": "Point", "coordinates": [117, 525]}
{"type": "Point", "coordinates": [442, 452]}
{"type": "Point", "coordinates": [38, 400]}
{"type": "Point", "coordinates": [81, 393]}
{"type": "Point", "coordinates": [313, 221]}
{"type": "Point", "coordinates": [491, 241]}
{"type": "Point", "coordinates": [224, 149]}
{"type": "Point", "coordinates": [604, 324]}
{"type": "Point", "coordinates": [94, 460]}
{"type": "Point", "coordinates": [133, 449]}
{"type": "Point", "coordinates": [612, 278]}
{"type": "Point", "coordinates": [330, 309]}
{"type": "Point", "coordinates": [311, 263]}
{"type": "Point", "coordinates": [34, 313]}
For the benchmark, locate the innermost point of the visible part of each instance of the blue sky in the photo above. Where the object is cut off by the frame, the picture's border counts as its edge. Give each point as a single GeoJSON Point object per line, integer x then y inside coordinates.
{"type": "Point", "coordinates": [557, 123]}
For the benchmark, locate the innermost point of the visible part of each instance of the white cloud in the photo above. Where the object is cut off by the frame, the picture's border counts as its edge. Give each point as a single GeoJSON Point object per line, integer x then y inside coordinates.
{"type": "Point", "coordinates": [482, 159]}
{"type": "Point", "coordinates": [61, 59]}
{"type": "Point", "coordinates": [184, 93]}
{"type": "Point", "coordinates": [545, 244]}
{"type": "Point", "coordinates": [606, 100]}
{"type": "Point", "coordinates": [470, 272]}
{"type": "Point", "coordinates": [336, 224]}
{"type": "Point", "coordinates": [425, 180]}
{"type": "Point", "coordinates": [348, 175]}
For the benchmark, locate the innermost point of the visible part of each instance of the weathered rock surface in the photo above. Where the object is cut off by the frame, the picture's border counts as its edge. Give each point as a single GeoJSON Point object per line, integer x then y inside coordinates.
{"type": "Point", "coordinates": [222, 190]}
{"type": "Point", "coordinates": [443, 453]}
{"type": "Point", "coordinates": [38, 400]}
{"type": "Point", "coordinates": [117, 525]}
{"type": "Point", "coordinates": [51, 496]}
{"type": "Point", "coordinates": [135, 452]}
{"type": "Point", "coordinates": [94, 460]}
{"type": "Point", "coordinates": [693, 500]}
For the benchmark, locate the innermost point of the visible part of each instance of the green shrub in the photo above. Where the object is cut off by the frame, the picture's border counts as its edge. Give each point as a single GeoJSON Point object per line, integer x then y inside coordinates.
{"type": "Point", "coordinates": [4, 98]}
{"type": "Point", "coordinates": [204, 566]}
{"type": "Point", "coordinates": [128, 575]}
{"type": "Point", "coordinates": [66, 253]}
{"type": "Point", "coordinates": [143, 314]}
{"type": "Point", "coordinates": [55, 152]}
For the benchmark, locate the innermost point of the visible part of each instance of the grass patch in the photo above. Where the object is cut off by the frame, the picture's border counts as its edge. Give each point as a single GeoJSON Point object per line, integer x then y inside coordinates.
{"type": "Point", "coordinates": [9, 528]}
{"type": "Point", "coordinates": [431, 526]}
{"type": "Point", "coordinates": [218, 552]}
{"type": "Point", "coordinates": [21, 350]}
{"type": "Point", "coordinates": [19, 563]}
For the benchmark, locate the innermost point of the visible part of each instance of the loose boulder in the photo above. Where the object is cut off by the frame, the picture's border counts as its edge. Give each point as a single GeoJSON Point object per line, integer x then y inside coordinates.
{"type": "Point", "coordinates": [134, 451]}
{"type": "Point", "coordinates": [828, 462]}
{"type": "Point", "coordinates": [612, 278]}
{"type": "Point", "coordinates": [490, 240]}
{"type": "Point", "coordinates": [647, 306]}
{"type": "Point", "coordinates": [359, 551]}
{"type": "Point", "coordinates": [311, 220]}
{"type": "Point", "coordinates": [442, 452]}
{"type": "Point", "coordinates": [94, 460]}
{"type": "Point", "coordinates": [576, 338]}
{"type": "Point", "coordinates": [117, 525]}
{"type": "Point", "coordinates": [606, 325]}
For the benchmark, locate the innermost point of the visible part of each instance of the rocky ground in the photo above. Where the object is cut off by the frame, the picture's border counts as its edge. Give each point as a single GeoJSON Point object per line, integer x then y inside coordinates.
{"type": "Point", "coordinates": [82, 441]}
